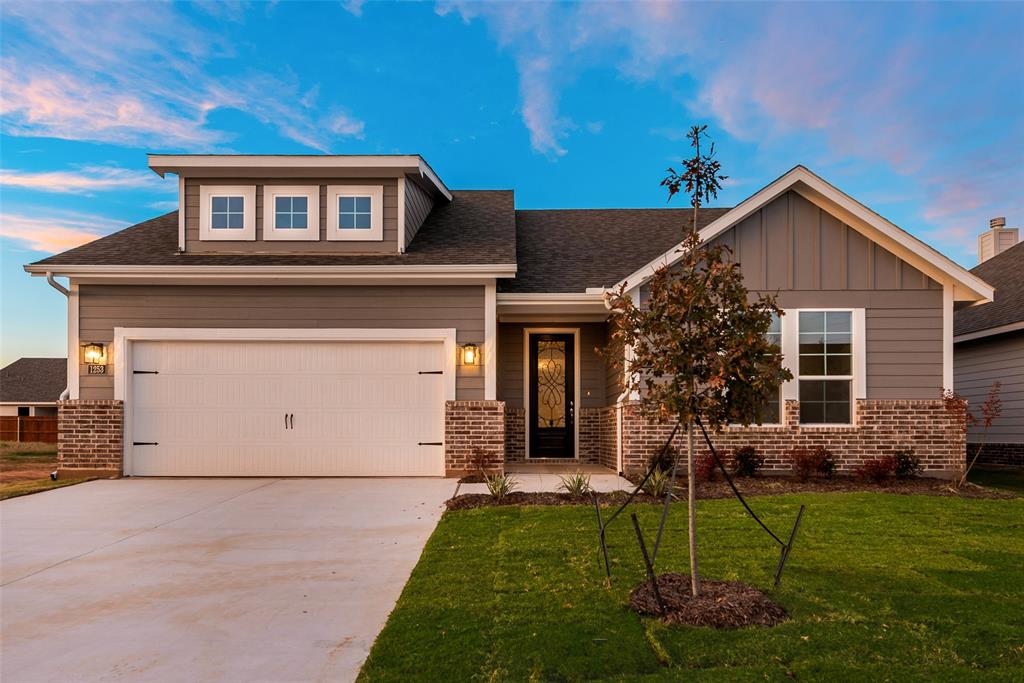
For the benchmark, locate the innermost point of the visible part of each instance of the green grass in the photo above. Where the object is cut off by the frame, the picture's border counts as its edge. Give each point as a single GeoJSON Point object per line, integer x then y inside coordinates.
{"type": "Point", "coordinates": [24, 488]}
{"type": "Point", "coordinates": [1006, 479]}
{"type": "Point", "coordinates": [880, 587]}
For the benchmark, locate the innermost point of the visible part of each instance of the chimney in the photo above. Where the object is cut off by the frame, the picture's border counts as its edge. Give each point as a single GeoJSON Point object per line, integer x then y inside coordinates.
{"type": "Point", "coordinates": [997, 239]}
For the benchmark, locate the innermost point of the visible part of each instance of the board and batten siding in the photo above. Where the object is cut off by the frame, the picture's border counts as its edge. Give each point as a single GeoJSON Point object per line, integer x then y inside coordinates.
{"type": "Point", "coordinates": [979, 363]}
{"type": "Point", "coordinates": [193, 243]}
{"type": "Point", "coordinates": [512, 362]}
{"type": "Point", "coordinates": [417, 207]}
{"type": "Point", "coordinates": [104, 307]}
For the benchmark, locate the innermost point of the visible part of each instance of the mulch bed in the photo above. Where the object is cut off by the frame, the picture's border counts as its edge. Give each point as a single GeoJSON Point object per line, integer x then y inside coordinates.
{"type": "Point", "coordinates": [754, 486]}
{"type": "Point", "coordinates": [721, 604]}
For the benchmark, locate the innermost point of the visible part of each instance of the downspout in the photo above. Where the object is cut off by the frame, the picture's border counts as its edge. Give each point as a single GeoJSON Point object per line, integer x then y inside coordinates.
{"type": "Point", "coordinates": [66, 394]}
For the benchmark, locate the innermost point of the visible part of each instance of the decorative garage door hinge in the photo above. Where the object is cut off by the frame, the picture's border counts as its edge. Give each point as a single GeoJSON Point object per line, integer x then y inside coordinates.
{"type": "Point", "coordinates": [145, 443]}
{"type": "Point", "coordinates": [431, 372]}
{"type": "Point", "coordinates": [145, 372]}
{"type": "Point", "coordinates": [431, 443]}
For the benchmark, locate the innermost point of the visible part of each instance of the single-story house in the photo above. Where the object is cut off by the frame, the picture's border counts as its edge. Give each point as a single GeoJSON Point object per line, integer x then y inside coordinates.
{"type": "Point", "coordinates": [31, 387]}
{"type": "Point", "coordinates": [989, 347]}
{"type": "Point", "coordinates": [352, 315]}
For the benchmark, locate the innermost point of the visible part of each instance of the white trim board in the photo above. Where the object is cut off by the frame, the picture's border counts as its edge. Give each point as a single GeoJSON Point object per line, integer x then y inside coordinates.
{"type": "Point", "coordinates": [490, 342]}
{"type": "Point", "coordinates": [968, 287]}
{"type": "Point", "coordinates": [992, 331]}
{"type": "Point", "coordinates": [125, 336]}
{"type": "Point", "coordinates": [575, 331]}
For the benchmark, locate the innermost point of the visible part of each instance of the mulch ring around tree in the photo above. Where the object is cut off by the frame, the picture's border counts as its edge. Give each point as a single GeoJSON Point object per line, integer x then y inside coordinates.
{"type": "Point", "coordinates": [720, 604]}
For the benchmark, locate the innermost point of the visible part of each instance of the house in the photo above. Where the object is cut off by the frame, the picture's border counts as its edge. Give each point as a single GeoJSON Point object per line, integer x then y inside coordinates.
{"type": "Point", "coordinates": [352, 315]}
{"type": "Point", "coordinates": [31, 387]}
{"type": "Point", "coordinates": [989, 346]}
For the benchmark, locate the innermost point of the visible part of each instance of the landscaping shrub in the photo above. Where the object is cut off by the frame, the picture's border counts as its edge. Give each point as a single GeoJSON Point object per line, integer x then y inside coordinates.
{"type": "Point", "coordinates": [500, 485]}
{"type": "Point", "coordinates": [746, 461]}
{"type": "Point", "coordinates": [665, 460]}
{"type": "Point", "coordinates": [706, 468]}
{"type": "Point", "coordinates": [907, 464]}
{"type": "Point", "coordinates": [807, 462]}
{"type": "Point", "coordinates": [576, 485]}
{"type": "Point", "coordinates": [657, 484]}
{"type": "Point", "coordinates": [877, 470]}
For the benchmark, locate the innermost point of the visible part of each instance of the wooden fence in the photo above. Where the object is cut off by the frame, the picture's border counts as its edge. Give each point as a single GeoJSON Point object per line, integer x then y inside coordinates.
{"type": "Point", "coordinates": [40, 429]}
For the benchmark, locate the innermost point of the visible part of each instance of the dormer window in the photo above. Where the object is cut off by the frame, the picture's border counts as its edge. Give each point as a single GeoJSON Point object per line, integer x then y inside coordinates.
{"type": "Point", "coordinates": [227, 212]}
{"type": "Point", "coordinates": [356, 213]}
{"type": "Point", "coordinates": [291, 212]}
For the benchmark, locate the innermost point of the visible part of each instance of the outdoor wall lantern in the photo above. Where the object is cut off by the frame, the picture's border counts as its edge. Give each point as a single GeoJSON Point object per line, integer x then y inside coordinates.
{"type": "Point", "coordinates": [94, 354]}
{"type": "Point", "coordinates": [470, 354]}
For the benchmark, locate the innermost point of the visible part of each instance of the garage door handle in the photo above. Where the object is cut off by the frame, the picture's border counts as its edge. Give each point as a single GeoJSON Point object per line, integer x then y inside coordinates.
{"type": "Point", "coordinates": [431, 443]}
{"type": "Point", "coordinates": [145, 372]}
{"type": "Point", "coordinates": [431, 372]}
{"type": "Point", "coordinates": [145, 443]}
{"type": "Point", "coordinates": [292, 418]}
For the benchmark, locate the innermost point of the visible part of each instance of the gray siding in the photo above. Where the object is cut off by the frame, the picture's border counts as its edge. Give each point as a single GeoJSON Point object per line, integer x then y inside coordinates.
{"type": "Point", "coordinates": [388, 246]}
{"type": "Point", "coordinates": [417, 208]}
{"type": "Point", "coordinates": [979, 363]}
{"type": "Point", "coordinates": [511, 363]}
{"type": "Point", "coordinates": [102, 307]}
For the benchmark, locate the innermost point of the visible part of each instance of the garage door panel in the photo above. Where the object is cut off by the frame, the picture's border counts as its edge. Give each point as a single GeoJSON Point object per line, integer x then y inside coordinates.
{"type": "Point", "coordinates": [218, 408]}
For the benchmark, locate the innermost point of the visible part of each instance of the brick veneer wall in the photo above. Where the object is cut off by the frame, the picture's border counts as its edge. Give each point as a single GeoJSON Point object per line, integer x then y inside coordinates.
{"type": "Point", "coordinates": [607, 433]}
{"type": "Point", "coordinates": [882, 426]}
{"type": "Point", "coordinates": [515, 434]}
{"type": "Point", "coordinates": [589, 445]}
{"type": "Point", "coordinates": [90, 437]}
{"type": "Point", "coordinates": [998, 454]}
{"type": "Point", "coordinates": [469, 425]}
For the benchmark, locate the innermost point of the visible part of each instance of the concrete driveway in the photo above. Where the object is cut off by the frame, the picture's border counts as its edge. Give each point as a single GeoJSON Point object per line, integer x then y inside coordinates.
{"type": "Point", "coordinates": [206, 579]}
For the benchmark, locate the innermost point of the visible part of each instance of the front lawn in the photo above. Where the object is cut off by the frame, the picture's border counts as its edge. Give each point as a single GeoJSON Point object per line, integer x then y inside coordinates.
{"type": "Point", "coordinates": [25, 468]}
{"type": "Point", "coordinates": [879, 586]}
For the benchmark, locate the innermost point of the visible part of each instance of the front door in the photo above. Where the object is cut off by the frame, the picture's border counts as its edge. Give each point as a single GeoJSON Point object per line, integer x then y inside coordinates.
{"type": "Point", "coordinates": [552, 418]}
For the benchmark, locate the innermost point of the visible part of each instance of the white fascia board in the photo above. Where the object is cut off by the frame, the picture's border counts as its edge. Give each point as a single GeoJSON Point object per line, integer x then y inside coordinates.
{"type": "Point", "coordinates": [279, 272]}
{"type": "Point", "coordinates": [992, 331]}
{"type": "Point", "coordinates": [903, 244]}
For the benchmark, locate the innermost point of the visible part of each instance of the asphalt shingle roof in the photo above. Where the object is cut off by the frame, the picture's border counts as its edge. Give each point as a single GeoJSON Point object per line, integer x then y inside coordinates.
{"type": "Point", "coordinates": [33, 380]}
{"type": "Point", "coordinates": [1005, 272]}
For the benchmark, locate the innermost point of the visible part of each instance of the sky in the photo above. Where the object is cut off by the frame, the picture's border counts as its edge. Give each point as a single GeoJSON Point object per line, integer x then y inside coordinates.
{"type": "Point", "coordinates": [913, 109]}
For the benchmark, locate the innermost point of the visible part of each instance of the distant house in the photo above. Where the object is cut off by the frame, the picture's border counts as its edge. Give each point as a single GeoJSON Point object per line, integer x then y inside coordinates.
{"type": "Point", "coordinates": [32, 386]}
{"type": "Point", "coordinates": [989, 344]}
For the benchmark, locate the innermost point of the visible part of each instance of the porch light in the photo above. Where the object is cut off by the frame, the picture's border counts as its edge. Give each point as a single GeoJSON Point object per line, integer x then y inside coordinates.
{"type": "Point", "coordinates": [470, 354]}
{"type": "Point", "coordinates": [94, 354]}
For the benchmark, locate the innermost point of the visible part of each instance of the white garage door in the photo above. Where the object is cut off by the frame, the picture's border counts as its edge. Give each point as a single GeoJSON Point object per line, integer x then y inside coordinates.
{"type": "Point", "coordinates": [287, 408]}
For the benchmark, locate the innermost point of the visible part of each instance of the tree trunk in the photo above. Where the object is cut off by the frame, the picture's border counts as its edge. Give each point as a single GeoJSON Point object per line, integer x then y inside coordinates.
{"type": "Point", "coordinates": [691, 482]}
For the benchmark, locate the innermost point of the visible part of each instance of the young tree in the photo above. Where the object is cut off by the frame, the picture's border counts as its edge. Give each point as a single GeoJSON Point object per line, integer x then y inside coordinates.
{"type": "Point", "coordinates": [697, 347]}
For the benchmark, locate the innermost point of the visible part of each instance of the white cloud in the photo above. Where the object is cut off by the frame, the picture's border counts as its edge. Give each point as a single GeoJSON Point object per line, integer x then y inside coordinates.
{"type": "Point", "coordinates": [84, 181]}
{"type": "Point", "coordinates": [54, 233]}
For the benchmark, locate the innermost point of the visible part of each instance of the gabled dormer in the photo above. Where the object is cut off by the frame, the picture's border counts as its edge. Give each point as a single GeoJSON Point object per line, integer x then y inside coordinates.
{"type": "Point", "coordinates": [300, 204]}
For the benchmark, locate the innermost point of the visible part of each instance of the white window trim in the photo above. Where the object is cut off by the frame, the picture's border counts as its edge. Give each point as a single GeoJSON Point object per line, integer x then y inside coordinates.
{"type": "Point", "coordinates": [271, 232]}
{"type": "Point", "coordinates": [376, 231]}
{"type": "Point", "coordinates": [248, 231]}
{"type": "Point", "coordinates": [791, 360]}
{"type": "Point", "coordinates": [575, 332]}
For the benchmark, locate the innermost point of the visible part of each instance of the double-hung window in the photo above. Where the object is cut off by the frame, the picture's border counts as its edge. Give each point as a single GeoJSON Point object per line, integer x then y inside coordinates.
{"type": "Point", "coordinates": [291, 212]}
{"type": "Point", "coordinates": [826, 367]}
{"type": "Point", "coordinates": [356, 213]}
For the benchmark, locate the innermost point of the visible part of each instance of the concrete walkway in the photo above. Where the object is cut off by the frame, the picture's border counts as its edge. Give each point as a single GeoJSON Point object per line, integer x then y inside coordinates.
{"type": "Point", "coordinates": [206, 579]}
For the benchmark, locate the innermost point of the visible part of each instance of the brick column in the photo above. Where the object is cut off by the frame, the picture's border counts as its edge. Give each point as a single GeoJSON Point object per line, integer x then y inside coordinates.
{"type": "Point", "coordinates": [90, 437]}
{"type": "Point", "coordinates": [515, 434]}
{"type": "Point", "coordinates": [469, 426]}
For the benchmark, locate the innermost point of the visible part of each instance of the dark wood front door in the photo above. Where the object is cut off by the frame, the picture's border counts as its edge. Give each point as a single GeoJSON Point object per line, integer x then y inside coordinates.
{"type": "Point", "coordinates": [552, 418]}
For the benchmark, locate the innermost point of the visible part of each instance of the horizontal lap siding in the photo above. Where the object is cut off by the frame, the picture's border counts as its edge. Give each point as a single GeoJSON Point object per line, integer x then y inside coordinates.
{"type": "Point", "coordinates": [104, 307]}
{"type": "Point", "coordinates": [976, 365]}
{"type": "Point", "coordinates": [388, 246]}
{"type": "Point", "coordinates": [511, 362]}
{"type": "Point", "coordinates": [417, 207]}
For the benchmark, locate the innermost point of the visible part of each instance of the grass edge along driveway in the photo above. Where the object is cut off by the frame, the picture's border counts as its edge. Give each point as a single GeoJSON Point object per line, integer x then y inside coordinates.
{"type": "Point", "coordinates": [879, 586]}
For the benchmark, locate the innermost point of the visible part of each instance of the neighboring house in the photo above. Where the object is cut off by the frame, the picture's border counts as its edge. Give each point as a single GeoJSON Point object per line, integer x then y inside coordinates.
{"type": "Point", "coordinates": [31, 387]}
{"type": "Point", "coordinates": [990, 346]}
{"type": "Point", "coordinates": [351, 315]}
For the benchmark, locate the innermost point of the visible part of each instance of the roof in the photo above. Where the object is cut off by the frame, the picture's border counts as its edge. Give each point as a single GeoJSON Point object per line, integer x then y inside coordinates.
{"type": "Point", "coordinates": [476, 228]}
{"type": "Point", "coordinates": [1005, 272]}
{"type": "Point", "coordinates": [966, 286]}
{"type": "Point", "coordinates": [569, 250]}
{"type": "Point", "coordinates": [33, 380]}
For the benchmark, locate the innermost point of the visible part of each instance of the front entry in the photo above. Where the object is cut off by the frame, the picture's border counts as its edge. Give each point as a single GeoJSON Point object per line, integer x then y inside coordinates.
{"type": "Point", "coordinates": [552, 418]}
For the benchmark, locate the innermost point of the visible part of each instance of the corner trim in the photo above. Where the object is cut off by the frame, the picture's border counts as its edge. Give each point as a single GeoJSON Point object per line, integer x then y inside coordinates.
{"type": "Point", "coordinates": [490, 342]}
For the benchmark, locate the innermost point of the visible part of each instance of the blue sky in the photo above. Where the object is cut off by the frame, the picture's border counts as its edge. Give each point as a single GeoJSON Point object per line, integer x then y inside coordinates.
{"type": "Point", "coordinates": [914, 109]}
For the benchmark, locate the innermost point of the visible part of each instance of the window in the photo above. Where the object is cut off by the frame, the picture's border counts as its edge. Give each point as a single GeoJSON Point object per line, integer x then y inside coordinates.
{"type": "Point", "coordinates": [826, 367]}
{"type": "Point", "coordinates": [23, 411]}
{"type": "Point", "coordinates": [772, 411]}
{"type": "Point", "coordinates": [291, 212]}
{"type": "Point", "coordinates": [355, 213]}
{"type": "Point", "coordinates": [227, 213]}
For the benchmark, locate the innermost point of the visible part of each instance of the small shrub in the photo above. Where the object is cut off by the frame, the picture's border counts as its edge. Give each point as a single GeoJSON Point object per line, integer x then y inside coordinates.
{"type": "Point", "coordinates": [500, 485]}
{"type": "Point", "coordinates": [576, 485]}
{"type": "Point", "coordinates": [657, 484]}
{"type": "Point", "coordinates": [706, 468]}
{"type": "Point", "coordinates": [877, 470]}
{"type": "Point", "coordinates": [480, 459]}
{"type": "Point", "coordinates": [907, 464]}
{"type": "Point", "coordinates": [807, 462]}
{"type": "Point", "coordinates": [746, 461]}
{"type": "Point", "coordinates": [665, 461]}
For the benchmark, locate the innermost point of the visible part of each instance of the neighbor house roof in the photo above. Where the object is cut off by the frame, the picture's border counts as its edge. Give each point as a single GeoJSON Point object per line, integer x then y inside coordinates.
{"type": "Point", "coordinates": [1005, 272]}
{"type": "Point", "coordinates": [33, 380]}
{"type": "Point", "coordinates": [569, 250]}
{"type": "Point", "coordinates": [476, 228]}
